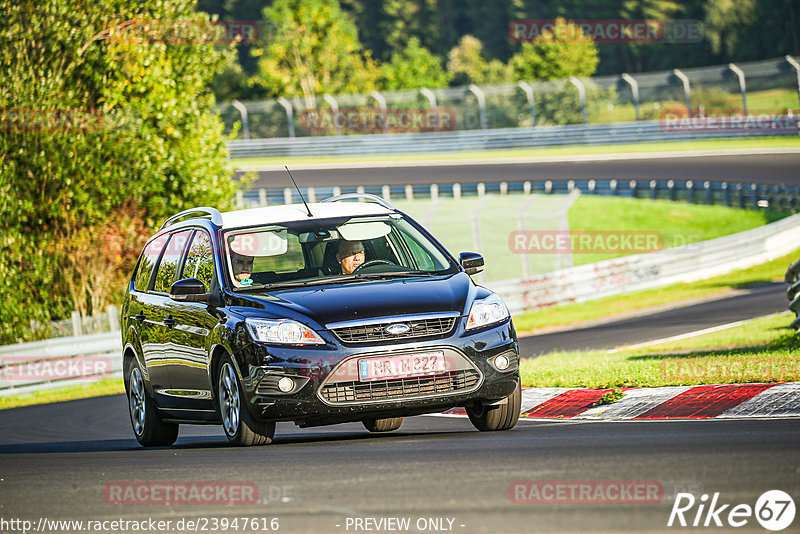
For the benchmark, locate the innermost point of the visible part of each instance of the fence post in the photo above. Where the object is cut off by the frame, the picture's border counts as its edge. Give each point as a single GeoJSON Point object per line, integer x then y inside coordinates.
{"type": "Point", "coordinates": [240, 198]}
{"type": "Point", "coordinates": [742, 85]}
{"type": "Point", "coordinates": [456, 191]}
{"type": "Point", "coordinates": [434, 192]}
{"type": "Point", "coordinates": [548, 187]}
{"type": "Point", "coordinates": [690, 191]}
{"type": "Point", "coordinates": [709, 192]}
{"type": "Point", "coordinates": [634, 91]}
{"type": "Point", "coordinates": [77, 329]}
{"type": "Point", "coordinates": [113, 318]}
{"type": "Point", "coordinates": [671, 189]}
{"type": "Point", "coordinates": [634, 188]}
{"type": "Point", "coordinates": [592, 184]}
{"type": "Point", "coordinates": [335, 107]}
{"type": "Point", "coordinates": [653, 189]}
{"type": "Point", "coordinates": [570, 185]}
{"type": "Point", "coordinates": [382, 105]}
{"type": "Point", "coordinates": [287, 195]}
{"type": "Point", "coordinates": [796, 67]}
{"type": "Point", "coordinates": [503, 188]}
{"type": "Point", "coordinates": [312, 194]}
{"type": "Point", "coordinates": [526, 187]}
{"type": "Point", "coordinates": [337, 190]}
{"type": "Point", "coordinates": [427, 93]}
{"type": "Point", "coordinates": [287, 106]}
{"type": "Point", "coordinates": [726, 195]}
{"type": "Point", "coordinates": [386, 193]}
{"type": "Point", "coordinates": [756, 198]}
{"type": "Point", "coordinates": [687, 91]}
{"type": "Point", "coordinates": [475, 90]}
{"type": "Point", "coordinates": [740, 193]}
{"type": "Point", "coordinates": [409, 193]}
{"type": "Point", "coordinates": [481, 190]}
{"type": "Point", "coordinates": [243, 112]}
{"type": "Point", "coordinates": [582, 95]}
{"type": "Point", "coordinates": [262, 197]}
{"type": "Point", "coordinates": [525, 86]}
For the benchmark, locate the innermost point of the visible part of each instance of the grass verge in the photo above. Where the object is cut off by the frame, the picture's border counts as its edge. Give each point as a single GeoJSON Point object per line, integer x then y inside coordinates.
{"type": "Point", "coordinates": [640, 301]}
{"type": "Point", "coordinates": [628, 148]}
{"type": "Point", "coordinates": [762, 350]}
{"type": "Point", "coordinates": [110, 386]}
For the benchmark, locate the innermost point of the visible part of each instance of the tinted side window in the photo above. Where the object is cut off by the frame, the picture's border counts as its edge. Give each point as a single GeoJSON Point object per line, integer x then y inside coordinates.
{"type": "Point", "coordinates": [168, 267]}
{"type": "Point", "coordinates": [200, 260]}
{"type": "Point", "coordinates": [149, 258]}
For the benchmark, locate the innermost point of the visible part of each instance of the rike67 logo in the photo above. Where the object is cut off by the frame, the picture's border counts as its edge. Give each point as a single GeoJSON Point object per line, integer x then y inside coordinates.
{"type": "Point", "coordinates": [774, 510]}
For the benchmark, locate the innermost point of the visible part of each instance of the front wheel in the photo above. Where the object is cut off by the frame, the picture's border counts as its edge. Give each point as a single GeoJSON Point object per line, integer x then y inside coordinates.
{"type": "Point", "coordinates": [501, 417]}
{"type": "Point", "coordinates": [149, 429]}
{"type": "Point", "coordinates": [240, 426]}
{"type": "Point", "coordinates": [383, 425]}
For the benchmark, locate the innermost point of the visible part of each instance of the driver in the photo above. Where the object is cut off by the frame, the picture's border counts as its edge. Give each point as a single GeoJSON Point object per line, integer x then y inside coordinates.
{"type": "Point", "coordinates": [242, 267]}
{"type": "Point", "coordinates": [350, 255]}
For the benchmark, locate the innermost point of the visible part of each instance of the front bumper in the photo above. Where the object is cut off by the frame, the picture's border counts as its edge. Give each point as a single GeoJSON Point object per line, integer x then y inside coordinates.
{"type": "Point", "coordinates": [321, 397]}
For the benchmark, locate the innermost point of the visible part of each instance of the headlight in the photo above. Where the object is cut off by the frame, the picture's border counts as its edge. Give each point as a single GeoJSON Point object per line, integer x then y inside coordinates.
{"type": "Point", "coordinates": [284, 331]}
{"type": "Point", "coordinates": [487, 311]}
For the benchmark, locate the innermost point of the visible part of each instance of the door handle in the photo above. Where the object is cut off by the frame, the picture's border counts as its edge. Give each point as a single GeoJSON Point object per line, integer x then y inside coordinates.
{"type": "Point", "coordinates": [169, 321]}
{"type": "Point", "coordinates": [140, 317]}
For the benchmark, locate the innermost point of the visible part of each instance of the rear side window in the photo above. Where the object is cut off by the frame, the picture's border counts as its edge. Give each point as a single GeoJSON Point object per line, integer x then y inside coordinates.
{"type": "Point", "coordinates": [149, 258]}
{"type": "Point", "coordinates": [168, 266]}
{"type": "Point", "coordinates": [200, 260]}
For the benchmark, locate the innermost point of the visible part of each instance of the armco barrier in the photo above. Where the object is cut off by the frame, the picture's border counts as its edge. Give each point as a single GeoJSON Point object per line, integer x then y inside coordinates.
{"type": "Point", "coordinates": [688, 263]}
{"type": "Point", "coordinates": [43, 364]}
{"type": "Point", "coordinates": [26, 367]}
{"type": "Point", "coordinates": [476, 140]}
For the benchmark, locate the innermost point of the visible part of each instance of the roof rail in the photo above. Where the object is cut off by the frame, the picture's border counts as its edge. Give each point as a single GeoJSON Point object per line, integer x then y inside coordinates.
{"type": "Point", "coordinates": [216, 216]}
{"type": "Point", "coordinates": [362, 196]}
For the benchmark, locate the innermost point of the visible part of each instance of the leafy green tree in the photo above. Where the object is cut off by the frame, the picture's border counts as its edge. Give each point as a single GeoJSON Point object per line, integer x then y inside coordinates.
{"type": "Point", "coordinates": [107, 120]}
{"type": "Point", "coordinates": [314, 50]}
{"type": "Point", "coordinates": [413, 68]}
{"type": "Point", "coordinates": [563, 52]}
{"type": "Point", "coordinates": [467, 64]}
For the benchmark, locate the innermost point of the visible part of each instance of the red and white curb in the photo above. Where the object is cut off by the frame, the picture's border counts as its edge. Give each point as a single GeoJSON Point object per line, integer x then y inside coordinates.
{"type": "Point", "coordinates": [723, 401]}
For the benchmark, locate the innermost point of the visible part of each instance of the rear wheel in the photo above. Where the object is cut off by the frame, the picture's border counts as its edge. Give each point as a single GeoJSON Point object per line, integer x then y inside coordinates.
{"type": "Point", "coordinates": [148, 427]}
{"type": "Point", "coordinates": [239, 425]}
{"type": "Point", "coordinates": [383, 425]}
{"type": "Point", "coordinates": [500, 417]}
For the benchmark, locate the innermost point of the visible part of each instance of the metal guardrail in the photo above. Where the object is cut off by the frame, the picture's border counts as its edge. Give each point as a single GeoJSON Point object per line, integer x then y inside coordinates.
{"type": "Point", "coordinates": [792, 278]}
{"type": "Point", "coordinates": [476, 140]}
{"type": "Point", "coordinates": [688, 263]}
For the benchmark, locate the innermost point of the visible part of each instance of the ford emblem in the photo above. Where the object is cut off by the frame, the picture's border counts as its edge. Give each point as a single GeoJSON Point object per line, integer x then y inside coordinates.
{"type": "Point", "coordinates": [397, 329]}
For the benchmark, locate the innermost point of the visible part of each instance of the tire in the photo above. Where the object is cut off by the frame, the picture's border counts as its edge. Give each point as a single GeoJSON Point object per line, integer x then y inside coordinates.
{"type": "Point", "coordinates": [240, 427]}
{"type": "Point", "coordinates": [383, 425]}
{"type": "Point", "coordinates": [149, 429]}
{"type": "Point", "coordinates": [502, 417]}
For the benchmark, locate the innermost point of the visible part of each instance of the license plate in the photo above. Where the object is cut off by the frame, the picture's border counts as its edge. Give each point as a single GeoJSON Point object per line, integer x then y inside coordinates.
{"type": "Point", "coordinates": [429, 363]}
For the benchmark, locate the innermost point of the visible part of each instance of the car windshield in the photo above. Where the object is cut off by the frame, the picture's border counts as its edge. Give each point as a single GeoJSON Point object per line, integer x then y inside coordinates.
{"type": "Point", "coordinates": [331, 250]}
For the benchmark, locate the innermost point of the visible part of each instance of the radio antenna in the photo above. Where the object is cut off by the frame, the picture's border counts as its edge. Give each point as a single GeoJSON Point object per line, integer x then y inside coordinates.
{"type": "Point", "coordinates": [298, 190]}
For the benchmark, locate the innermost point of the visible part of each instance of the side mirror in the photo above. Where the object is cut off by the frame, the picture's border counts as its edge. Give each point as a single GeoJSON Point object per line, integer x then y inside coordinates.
{"type": "Point", "coordinates": [189, 290]}
{"type": "Point", "coordinates": [472, 262]}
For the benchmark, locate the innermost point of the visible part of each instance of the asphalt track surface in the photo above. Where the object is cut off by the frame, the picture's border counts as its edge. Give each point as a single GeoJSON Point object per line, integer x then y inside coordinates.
{"type": "Point", "coordinates": [56, 462]}
{"type": "Point", "coordinates": [774, 169]}
{"type": "Point", "coordinates": [762, 300]}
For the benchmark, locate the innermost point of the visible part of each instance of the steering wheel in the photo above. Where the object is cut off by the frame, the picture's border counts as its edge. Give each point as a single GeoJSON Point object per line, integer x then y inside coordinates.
{"type": "Point", "coordinates": [370, 263]}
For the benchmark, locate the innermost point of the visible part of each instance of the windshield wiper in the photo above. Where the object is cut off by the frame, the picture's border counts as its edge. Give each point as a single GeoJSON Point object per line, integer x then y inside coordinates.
{"type": "Point", "coordinates": [395, 274]}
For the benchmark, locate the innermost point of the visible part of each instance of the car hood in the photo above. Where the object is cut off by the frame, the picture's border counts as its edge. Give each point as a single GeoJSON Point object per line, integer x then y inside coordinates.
{"type": "Point", "coordinates": [375, 298]}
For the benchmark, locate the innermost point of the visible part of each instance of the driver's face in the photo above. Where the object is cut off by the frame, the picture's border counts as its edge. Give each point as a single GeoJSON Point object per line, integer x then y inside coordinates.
{"type": "Point", "coordinates": [242, 267]}
{"type": "Point", "coordinates": [351, 263]}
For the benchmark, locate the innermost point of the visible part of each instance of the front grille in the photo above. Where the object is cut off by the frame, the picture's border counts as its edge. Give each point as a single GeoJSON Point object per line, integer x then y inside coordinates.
{"type": "Point", "coordinates": [377, 332]}
{"type": "Point", "coordinates": [423, 386]}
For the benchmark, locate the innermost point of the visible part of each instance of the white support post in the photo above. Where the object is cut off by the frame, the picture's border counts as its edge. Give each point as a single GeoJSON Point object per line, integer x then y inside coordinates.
{"type": "Point", "coordinates": [634, 91]}
{"type": "Point", "coordinates": [427, 93]}
{"type": "Point", "coordinates": [687, 91]}
{"type": "Point", "coordinates": [742, 85]}
{"type": "Point", "coordinates": [287, 106]}
{"type": "Point", "coordinates": [243, 112]}
{"type": "Point", "coordinates": [382, 105]}
{"type": "Point", "coordinates": [528, 89]}
{"type": "Point", "coordinates": [335, 107]}
{"type": "Point", "coordinates": [582, 95]}
{"type": "Point", "coordinates": [475, 90]}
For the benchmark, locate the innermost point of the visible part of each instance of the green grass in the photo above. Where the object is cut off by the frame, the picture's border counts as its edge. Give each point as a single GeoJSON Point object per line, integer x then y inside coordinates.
{"type": "Point", "coordinates": [629, 148]}
{"type": "Point", "coordinates": [608, 307]}
{"type": "Point", "coordinates": [672, 223]}
{"type": "Point", "coordinates": [762, 350]}
{"type": "Point", "coordinates": [110, 386]}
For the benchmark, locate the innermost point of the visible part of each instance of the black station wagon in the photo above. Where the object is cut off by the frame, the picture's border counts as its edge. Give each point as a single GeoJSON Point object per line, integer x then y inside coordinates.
{"type": "Point", "coordinates": [325, 313]}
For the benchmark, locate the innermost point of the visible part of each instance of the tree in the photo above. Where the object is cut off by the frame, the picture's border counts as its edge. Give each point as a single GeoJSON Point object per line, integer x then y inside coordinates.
{"type": "Point", "coordinates": [413, 68]}
{"type": "Point", "coordinates": [314, 50]}
{"type": "Point", "coordinates": [563, 52]}
{"type": "Point", "coordinates": [107, 121]}
{"type": "Point", "coordinates": [466, 64]}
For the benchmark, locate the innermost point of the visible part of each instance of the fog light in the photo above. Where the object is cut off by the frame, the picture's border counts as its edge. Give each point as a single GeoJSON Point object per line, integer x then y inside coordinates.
{"type": "Point", "coordinates": [501, 362]}
{"type": "Point", "coordinates": [286, 384]}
